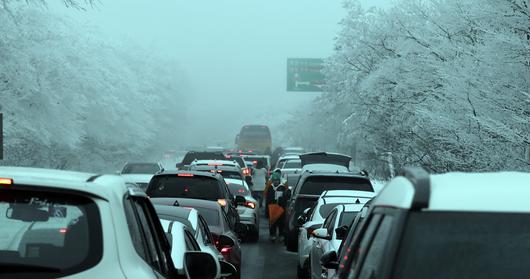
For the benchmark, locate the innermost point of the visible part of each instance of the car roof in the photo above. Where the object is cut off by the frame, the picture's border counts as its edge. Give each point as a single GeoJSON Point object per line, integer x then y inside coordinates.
{"type": "Point", "coordinates": [289, 157]}
{"type": "Point", "coordinates": [102, 186]}
{"type": "Point", "coordinates": [195, 173]}
{"type": "Point", "coordinates": [134, 178]}
{"type": "Point", "coordinates": [223, 168]}
{"type": "Point", "coordinates": [206, 162]}
{"type": "Point", "coordinates": [142, 163]}
{"type": "Point", "coordinates": [346, 194]}
{"type": "Point", "coordinates": [463, 192]}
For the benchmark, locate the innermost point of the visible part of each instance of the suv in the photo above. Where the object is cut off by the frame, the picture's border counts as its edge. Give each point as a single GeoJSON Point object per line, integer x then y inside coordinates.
{"type": "Point", "coordinates": [194, 185]}
{"type": "Point", "coordinates": [139, 168]}
{"type": "Point", "coordinates": [62, 223]}
{"type": "Point", "coordinates": [453, 225]}
{"type": "Point", "coordinates": [307, 191]}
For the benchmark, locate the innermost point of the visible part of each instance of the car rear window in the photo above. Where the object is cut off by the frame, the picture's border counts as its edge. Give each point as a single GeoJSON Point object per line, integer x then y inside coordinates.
{"type": "Point", "coordinates": [238, 189]}
{"type": "Point", "coordinates": [464, 245]}
{"type": "Point", "coordinates": [315, 185]}
{"type": "Point", "coordinates": [210, 215]}
{"type": "Point", "coordinates": [141, 169]}
{"type": "Point", "coordinates": [193, 187]}
{"type": "Point", "coordinates": [292, 164]}
{"type": "Point", "coordinates": [48, 234]}
{"type": "Point", "coordinates": [230, 174]}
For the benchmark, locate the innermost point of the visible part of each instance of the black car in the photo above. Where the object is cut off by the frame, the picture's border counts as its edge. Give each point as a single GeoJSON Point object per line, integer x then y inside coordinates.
{"type": "Point", "coordinates": [200, 155]}
{"type": "Point", "coordinates": [194, 185]}
{"type": "Point", "coordinates": [307, 192]}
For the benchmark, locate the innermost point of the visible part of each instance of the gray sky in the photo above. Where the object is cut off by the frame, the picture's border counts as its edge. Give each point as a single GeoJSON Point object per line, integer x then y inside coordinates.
{"type": "Point", "coordinates": [233, 52]}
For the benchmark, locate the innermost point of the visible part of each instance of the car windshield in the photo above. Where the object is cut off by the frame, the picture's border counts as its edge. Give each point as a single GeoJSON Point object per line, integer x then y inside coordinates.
{"type": "Point", "coordinates": [57, 234]}
{"type": "Point", "coordinates": [238, 189]}
{"type": "Point", "coordinates": [192, 187]}
{"type": "Point", "coordinates": [473, 245]}
{"type": "Point", "coordinates": [292, 164]}
{"type": "Point", "coordinates": [210, 215]}
{"type": "Point", "coordinates": [315, 185]}
{"type": "Point", "coordinates": [141, 169]}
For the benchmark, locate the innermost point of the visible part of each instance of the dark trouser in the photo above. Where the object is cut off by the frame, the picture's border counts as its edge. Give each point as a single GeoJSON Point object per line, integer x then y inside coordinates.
{"type": "Point", "coordinates": [277, 228]}
{"type": "Point", "coordinates": [258, 195]}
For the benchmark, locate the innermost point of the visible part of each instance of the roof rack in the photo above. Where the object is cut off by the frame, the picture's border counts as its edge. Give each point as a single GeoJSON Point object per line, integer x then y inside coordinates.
{"type": "Point", "coordinates": [421, 181]}
{"type": "Point", "coordinates": [93, 177]}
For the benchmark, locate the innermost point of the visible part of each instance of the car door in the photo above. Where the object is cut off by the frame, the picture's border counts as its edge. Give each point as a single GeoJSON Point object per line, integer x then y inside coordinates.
{"type": "Point", "coordinates": [207, 239]}
{"type": "Point", "coordinates": [157, 248]}
{"type": "Point", "coordinates": [319, 244]}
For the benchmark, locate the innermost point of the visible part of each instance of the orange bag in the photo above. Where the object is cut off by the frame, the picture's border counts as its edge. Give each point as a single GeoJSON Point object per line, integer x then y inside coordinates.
{"type": "Point", "coordinates": [275, 212]}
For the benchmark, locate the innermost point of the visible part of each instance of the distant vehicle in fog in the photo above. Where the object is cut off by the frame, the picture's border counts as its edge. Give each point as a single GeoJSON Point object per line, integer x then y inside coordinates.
{"type": "Point", "coordinates": [200, 155]}
{"type": "Point", "coordinates": [255, 138]}
{"type": "Point", "coordinates": [141, 168]}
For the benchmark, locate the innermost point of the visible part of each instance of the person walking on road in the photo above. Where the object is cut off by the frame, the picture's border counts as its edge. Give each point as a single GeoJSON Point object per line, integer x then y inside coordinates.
{"type": "Point", "coordinates": [259, 178]}
{"type": "Point", "coordinates": [276, 204]}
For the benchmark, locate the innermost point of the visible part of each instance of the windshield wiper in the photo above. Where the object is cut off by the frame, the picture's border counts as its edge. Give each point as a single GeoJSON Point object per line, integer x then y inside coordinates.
{"type": "Point", "coordinates": [18, 267]}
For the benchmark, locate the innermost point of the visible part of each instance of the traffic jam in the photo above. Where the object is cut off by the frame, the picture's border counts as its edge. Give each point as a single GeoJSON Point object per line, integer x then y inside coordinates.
{"type": "Point", "coordinates": [193, 220]}
{"type": "Point", "coordinates": [235, 139]}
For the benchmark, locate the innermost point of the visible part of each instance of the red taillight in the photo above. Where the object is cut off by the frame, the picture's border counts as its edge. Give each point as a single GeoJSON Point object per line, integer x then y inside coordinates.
{"type": "Point", "coordinates": [185, 174]}
{"type": "Point", "coordinates": [215, 239]}
{"type": "Point", "coordinates": [310, 232]}
{"type": "Point", "coordinates": [215, 164]}
{"type": "Point", "coordinates": [250, 205]}
{"type": "Point", "coordinates": [6, 181]}
{"type": "Point", "coordinates": [226, 250]}
{"type": "Point", "coordinates": [63, 230]}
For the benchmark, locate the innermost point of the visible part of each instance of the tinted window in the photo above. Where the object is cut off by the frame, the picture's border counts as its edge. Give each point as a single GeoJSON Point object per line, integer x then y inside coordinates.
{"type": "Point", "coordinates": [149, 235]}
{"type": "Point", "coordinates": [210, 215]}
{"type": "Point", "coordinates": [315, 185]}
{"type": "Point", "coordinates": [135, 230]}
{"type": "Point", "coordinates": [375, 253]}
{"type": "Point", "coordinates": [230, 174]}
{"type": "Point", "coordinates": [238, 189]}
{"type": "Point", "coordinates": [473, 245]}
{"type": "Point", "coordinates": [346, 218]}
{"type": "Point", "coordinates": [302, 203]}
{"type": "Point", "coordinates": [59, 234]}
{"type": "Point", "coordinates": [141, 169]}
{"type": "Point", "coordinates": [325, 209]}
{"type": "Point", "coordinates": [196, 187]}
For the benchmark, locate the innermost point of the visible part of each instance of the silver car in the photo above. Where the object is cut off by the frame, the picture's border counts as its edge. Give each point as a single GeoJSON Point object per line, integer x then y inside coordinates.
{"type": "Point", "coordinates": [247, 207]}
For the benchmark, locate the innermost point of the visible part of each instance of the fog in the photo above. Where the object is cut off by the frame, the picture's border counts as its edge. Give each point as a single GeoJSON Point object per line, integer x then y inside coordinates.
{"type": "Point", "coordinates": [233, 54]}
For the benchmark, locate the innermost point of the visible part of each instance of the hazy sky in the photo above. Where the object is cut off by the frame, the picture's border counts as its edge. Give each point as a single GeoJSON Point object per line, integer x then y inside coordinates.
{"type": "Point", "coordinates": [233, 52]}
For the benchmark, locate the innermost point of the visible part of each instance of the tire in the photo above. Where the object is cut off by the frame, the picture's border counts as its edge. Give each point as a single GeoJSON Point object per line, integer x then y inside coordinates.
{"type": "Point", "coordinates": [291, 242]}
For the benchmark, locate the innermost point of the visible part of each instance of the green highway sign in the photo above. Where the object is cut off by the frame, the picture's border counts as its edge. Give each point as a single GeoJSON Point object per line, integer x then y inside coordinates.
{"type": "Point", "coordinates": [305, 74]}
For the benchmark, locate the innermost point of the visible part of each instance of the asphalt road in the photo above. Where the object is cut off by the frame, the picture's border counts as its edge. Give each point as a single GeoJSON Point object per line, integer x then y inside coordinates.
{"type": "Point", "coordinates": [265, 259]}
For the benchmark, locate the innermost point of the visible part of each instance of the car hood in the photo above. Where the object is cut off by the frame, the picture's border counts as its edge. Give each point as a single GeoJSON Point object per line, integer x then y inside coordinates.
{"type": "Point", "coordinates": [325, 158]}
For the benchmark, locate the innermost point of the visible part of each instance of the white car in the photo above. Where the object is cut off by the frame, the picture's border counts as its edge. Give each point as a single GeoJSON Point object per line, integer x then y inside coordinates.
{"type": "Point", "coordinates": [313, 219]}
{"type": "Point", "coordinates": [329, 237]}
{"type": "Point", "coordinates": [248, 209]}
{"type": "Point", "coordinates": [285, 158]}
{"type": "Point", "coordinates": [195, 222]}
{"type": "Point", "coordinates": [79, 225]}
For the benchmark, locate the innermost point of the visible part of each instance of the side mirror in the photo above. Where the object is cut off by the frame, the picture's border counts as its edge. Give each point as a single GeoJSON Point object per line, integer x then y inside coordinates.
{"type": "Point", "coordinates": [200, 265]}
{"type": "Point", "coordinates": [169, 237]}
{"type": "Point", "coordinates": [330, 260]}
{"type": "Point", "coordinates": [342, 232]}
{"type": "Point", "coordinates": [321, 233]}
{"type": "Point", "coordinates": [225, 241]}
{"type": "Point", "coordinates": [227, 269]}
{"type": "Point", "coordinates": [301, 220]}
{"type": "Point", "coordinates": [179, 165]}
{"type": "Point", "coordinates": [240, 200]}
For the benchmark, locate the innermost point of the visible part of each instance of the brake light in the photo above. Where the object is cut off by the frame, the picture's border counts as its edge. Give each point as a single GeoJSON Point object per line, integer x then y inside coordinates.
{"type": "Point", "coordinates": [6, 181]}
{"type": "Point", "coordinates": [215, 164]}
{"type": "Point", "coordinates": [226, 250]}
{"type": "Point", "coordinates": [215, 239]}
{"type": "Point", "coordinates": [222, 202]}
{"type": "Point", "coordinates": [310, 232]}
{"type": "Point", "coordinates": [185, 174]}
{"type": "Point", "coordinates": [214, 171]}
{"type": "Point", "coordinates": [63, 230]}
{"type": "Point", "coordinates": [250, 205]}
